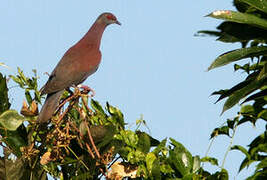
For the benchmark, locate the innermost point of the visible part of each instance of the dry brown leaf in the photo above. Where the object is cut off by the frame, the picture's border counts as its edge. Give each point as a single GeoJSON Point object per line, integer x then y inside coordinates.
{"type": "Point", "coordinates": [29, 111]}
{"type": "Point", "coordinates": [46, 158]}
{"type": "Point", "coordinates": [121, 170]}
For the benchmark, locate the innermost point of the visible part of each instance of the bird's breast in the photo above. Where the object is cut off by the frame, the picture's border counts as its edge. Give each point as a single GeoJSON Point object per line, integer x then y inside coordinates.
{"type": "Point", "coordinates": [89, 61]}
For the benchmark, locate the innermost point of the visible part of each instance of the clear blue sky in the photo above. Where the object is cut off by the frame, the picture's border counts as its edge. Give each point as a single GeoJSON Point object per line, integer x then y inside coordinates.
{"type": "Point", "coordinates": [151, 65]}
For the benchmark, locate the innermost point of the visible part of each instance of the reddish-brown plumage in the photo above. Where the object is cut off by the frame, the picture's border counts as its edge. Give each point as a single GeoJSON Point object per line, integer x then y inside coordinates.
{"type": "Point", "coordinates": [79, 62]}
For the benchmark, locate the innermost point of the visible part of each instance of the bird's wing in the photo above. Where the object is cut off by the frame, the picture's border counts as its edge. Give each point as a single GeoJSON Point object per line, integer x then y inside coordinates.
{"type": "Point", "coordinates": [74, 67]}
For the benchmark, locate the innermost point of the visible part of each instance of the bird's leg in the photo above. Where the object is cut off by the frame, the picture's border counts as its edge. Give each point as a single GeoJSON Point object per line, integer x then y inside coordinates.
{"type": "Point", "coordinates": [87, 89]}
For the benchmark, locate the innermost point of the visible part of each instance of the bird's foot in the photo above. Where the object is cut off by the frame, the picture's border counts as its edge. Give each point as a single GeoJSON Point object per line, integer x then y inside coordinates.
{"type": "Point", "coordinates": [87, 89]}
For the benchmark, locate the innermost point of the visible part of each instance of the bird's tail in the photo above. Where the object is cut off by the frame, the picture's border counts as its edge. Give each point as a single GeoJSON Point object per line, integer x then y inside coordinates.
{"type": "Point", "coordinates": [49, 107]}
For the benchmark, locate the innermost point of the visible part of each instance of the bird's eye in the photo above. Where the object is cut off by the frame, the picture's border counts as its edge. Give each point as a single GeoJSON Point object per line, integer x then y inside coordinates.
{"type": "Point", "coordinates": [110, 17]}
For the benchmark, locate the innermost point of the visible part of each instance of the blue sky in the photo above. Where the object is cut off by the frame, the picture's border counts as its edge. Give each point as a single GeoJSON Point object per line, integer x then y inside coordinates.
{"type": "Point", "coordinates": [151, 65]}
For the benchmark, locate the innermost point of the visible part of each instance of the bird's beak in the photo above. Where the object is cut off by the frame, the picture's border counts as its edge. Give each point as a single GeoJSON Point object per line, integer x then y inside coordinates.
{"type": "Point", "coordinates": [117, 22]}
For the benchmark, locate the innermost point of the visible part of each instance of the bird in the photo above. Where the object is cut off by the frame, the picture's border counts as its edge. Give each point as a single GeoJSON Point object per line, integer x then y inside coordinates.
{"type": "Point", "coordinates": [79, 61]}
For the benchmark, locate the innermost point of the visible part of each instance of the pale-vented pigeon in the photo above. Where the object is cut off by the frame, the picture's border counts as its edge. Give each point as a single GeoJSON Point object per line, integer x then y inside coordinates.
{"type": "Point", "coordinates": [79, 62]}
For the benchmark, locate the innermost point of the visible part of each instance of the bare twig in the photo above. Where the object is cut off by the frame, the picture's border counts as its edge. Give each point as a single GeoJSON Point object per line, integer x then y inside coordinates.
{"type": "Point", "coordinates": [92, 141]}
{"type": "Point", "coordinates": [90, 150]}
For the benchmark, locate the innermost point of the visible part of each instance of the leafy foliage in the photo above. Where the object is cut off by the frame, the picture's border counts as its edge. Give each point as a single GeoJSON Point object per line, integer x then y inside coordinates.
{"type": "Point", "coordinates": [4, 103]}
{"type": "Point", "coordinates": [247, 26]}
{"type": "Point", "coordinates": [87, 141]}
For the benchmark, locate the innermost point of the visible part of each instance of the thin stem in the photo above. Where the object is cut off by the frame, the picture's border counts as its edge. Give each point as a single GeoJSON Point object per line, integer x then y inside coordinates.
{"type": "Point", "coordinates": [92, 140]}
{"type": "Point", "coordinates": [90, 150]}
{"type": "Point", "coordinates": [229, 147]}
{"type": "Point", "coordinates": [209, 147]}
{"type": "Point", "coordinates": [66, 100]}
{"type": "Point", "coordinates": [78, 158]}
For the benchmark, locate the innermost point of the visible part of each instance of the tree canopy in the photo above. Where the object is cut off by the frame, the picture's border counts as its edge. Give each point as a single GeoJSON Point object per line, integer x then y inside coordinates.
{"type": "Point", "coordinates": [87, 140]}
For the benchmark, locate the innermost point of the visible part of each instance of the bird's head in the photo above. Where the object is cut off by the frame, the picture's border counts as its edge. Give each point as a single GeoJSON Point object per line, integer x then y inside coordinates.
{"type": "Point", "coordinates": [108, 18]}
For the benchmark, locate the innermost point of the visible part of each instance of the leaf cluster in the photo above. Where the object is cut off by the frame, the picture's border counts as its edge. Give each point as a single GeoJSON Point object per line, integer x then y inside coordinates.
{"type": "Point", "coordinates": [247, 26]}
{"type": "Point", "coordinates": [87, 141]}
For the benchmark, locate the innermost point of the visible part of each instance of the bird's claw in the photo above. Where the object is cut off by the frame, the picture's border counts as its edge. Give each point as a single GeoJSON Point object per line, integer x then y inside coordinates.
{"type": "Point", "coordinates": [87, 89]}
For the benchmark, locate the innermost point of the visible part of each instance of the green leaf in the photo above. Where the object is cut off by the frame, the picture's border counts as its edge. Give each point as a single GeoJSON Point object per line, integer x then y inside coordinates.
{"type": "Point", "coordinates": [22, 76]}
{"type": "Point", "coordinates": [242, 149]}
{"type": "Point", "coordinates": [196, 164]}
{"type": "Point", "coordinates": [239, 18]}
{"type": "Point", "coordinates": [256, 96]}
{"type": "Point", "coordinates": [246, 119]}
{"type": "Point", "coordinates": [142, 171]}
{"type": "Point", "coordinates": [28, 96]}
{"type": "Point", "coordinates": [263, 114]}
{"type": "Point", "coordinates": [244, 67]}
{"type": "Point", "coordinates": [258, 4]}
{"type": "Point", "coordinates": [226, 93]}
{"type": "Point", "coordinates": [189, 176]}
{"type": "Point", "coordinates": [16, 80]}
{"type": "Point", "coordinates": [240, 6]}
{"type": "Point", "coordinates": [11, 120]}
{"type": "Point", "coordinates": [153, 166]}
{"type": "Point", "coordinates": [261, 148]}
{"type": "Point", "coordinates": [116, 115]}
{"type": "Point", "coordinates": [210, 33]}
{"type": "Point", "coordinates": [236, 32]}
{"type": "Point", "coordinates": [220, 92]}
{"type": "Point", "coordinates": [166, 168]}
{"type": "Point", "coordinates": [229, 38]}
{"type": "Point", "coordinates": [245, 163]}
{"type": "Point", "coordinates": [15, 139]}
{"type": "Point", "coordinates": [97, 107]}
{"type": "Point", "coordinates": [210, 160]}
{"type": "Point", "coordinates": [161, 147]}
{"type": "Point", "coordinates": [13, 131]}
{"type": "Point", "coordinates": [19, 169]}
{"type": "Point", "coordinates": [74, 113]}
{"type": "Point", "coordinates": [224, 175]}
{"type": "Point", "coordinates": [4, 103]}
{"type": "Point", "coordinates": [263, 72]}
{"type": "Point", "coordinates": [129, 137]}
{"type": "Point", "coordinates": [236, 55]}
{"type": "Point", "coordinates": [224, 130]}
{"type": "Point", "coordinates": [258, 175]}
{"type": "Point", "coordinates": [247, 109]}
{"type": "Point", "coordinates": [13, 170]}
{"type": "Point", "coordinates": [150, 158]}
{"type": "Point", "coordinates": [135, 156]}
{"type": "Point", "coordinates": [231, 123]}
{"type": "Point", "coordinates": [219, 175]}
{"type": "Point", "coordinates": [261, 139]}
{"type": "Point", "coordinates": [238, 95]}
{"type": "Point", "coordinates": [143, 142]}
{"type": "Point", "coordinates": [181, 158]}
{"type": "Point", "coordinates": [178, 162]}
{"type": "Point", "coordinates": [102, 135]}
{"type": "Point", "coordinates": [262, 164]}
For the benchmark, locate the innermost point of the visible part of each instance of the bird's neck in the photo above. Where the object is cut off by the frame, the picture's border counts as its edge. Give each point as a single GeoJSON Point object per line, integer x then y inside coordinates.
{"type": "Point", "coordinates": [94, 35]}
